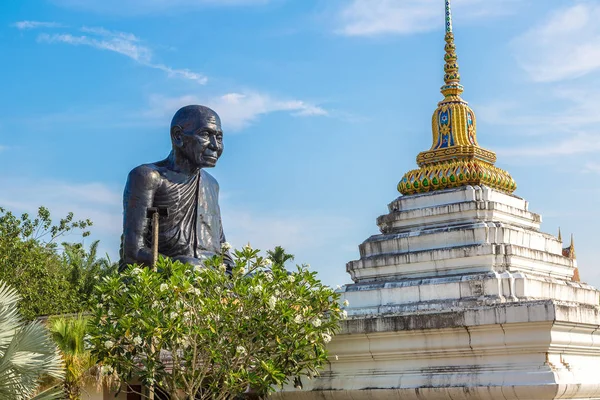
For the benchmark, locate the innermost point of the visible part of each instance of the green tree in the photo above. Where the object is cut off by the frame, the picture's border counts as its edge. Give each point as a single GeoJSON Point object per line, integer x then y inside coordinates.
{"type": "Point", "coordinates": [278, 256]}
{"type": "Point", "coordinates": [27, 352]}
{"type": "Point", "coordinates": [199, 333]}
{"type": "Point", "coordinates": [84, 268]}
{"type": "Point", "coordinates": [50, 279]}
{"type": "Point", "coordinates": [29, 261]}
{"type": "Point", "coordinates": [69, 333]}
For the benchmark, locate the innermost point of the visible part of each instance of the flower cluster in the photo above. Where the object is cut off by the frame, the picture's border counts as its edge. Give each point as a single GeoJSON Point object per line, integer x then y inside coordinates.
{"type": "Point", "coordinates": [258, 326]}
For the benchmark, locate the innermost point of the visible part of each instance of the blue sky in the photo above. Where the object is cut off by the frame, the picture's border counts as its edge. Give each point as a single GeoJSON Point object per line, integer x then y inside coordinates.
{"type": "Point", "coordinates": [325, 105]}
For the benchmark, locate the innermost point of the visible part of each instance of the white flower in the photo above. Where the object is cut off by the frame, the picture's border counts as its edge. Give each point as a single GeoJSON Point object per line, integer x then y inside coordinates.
{"type": "Point", "coordinates": [225, 246]}
{"type": "Point", "coordinates": [241, 350]}
{"type": "Point", "coordinates": [222, 267]}
{"type": "Point", "coordinates": [346, 303]}
{"type": "Point", "coordinates": [326, 337]}
{"type": "Point", "coordinates": [344, 314]}
{"type": "Point", "coordinates": [266, 262]}
{"type": "Point", "coordinates": [137, 340]}
{"type": "Point", "coordinates": [109, 313]}
{"type": "Point", "coordinates": [107, 369]}
{"type": "Point", "coordinates": [197, 268]}
{"type": "Point", "coordinates": [298, 319]}
{"type": "Point", "coordinates": [109, 344]}
{"type": "Point", "coordinates": [99, 305]}
{"type": "Point", "coordinates": [247, 247]}
{"type": "Point", "coordinates": [291, 278]}
{"type": "Point", "coordinates": [272, 302]}
{"type": "Point", "coordinates": [173, 315]}
{"type": "Point", "coordinates": [316, 322]}
{"type": "Point", "coordinates": [256, 289]}
{"type": "Point", "coordinates": [269, 277]}
{"type": "Point", "coordinates": [163, 287]}
{"type": "Point", "coordinates": [136, 271]}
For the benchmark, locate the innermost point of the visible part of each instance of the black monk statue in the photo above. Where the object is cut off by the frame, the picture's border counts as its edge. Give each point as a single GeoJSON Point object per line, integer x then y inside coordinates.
{"type": "Point", "coordinates": [191, 231]}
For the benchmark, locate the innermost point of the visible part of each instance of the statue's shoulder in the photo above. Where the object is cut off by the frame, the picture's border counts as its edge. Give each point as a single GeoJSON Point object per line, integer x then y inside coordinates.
{"type": "Point", "coordinates": [208, 179]}
{"type": "Point", "coordinates": [145, 175]}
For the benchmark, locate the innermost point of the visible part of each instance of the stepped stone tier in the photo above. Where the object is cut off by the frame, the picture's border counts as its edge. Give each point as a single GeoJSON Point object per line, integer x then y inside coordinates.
{"type": "Point", "coordinates": [461, 296]}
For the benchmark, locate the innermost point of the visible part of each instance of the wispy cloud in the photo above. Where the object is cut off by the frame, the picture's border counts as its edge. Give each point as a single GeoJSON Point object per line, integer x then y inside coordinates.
{"type": "Point", "coordinates": [565, 117]}
{"type": "Point", "coordinates": [23, 25]}
{"type": "Point", "coordinates": [379, 17]}
{"type": "Point", "coordinates": [124, 43]}
{"type": "Point", "coordinates": [592, 167]}
{"type": "Point", "coordinates": [96, 30]}
{"type": "Point", "coordinates": [140, 7]}
{"type": "Point", "coordinates": [237, 110]}
{"type": "Point", "coordinates": [93, 200]}
{"type": "Point", "coordinates": [564, 46]}
{"type": "Point", "coordinates": [127, 48]}
{"type": "Point", "coordinates": [297, 231]}
{"type": "Point", "coordinates": [578, 143]}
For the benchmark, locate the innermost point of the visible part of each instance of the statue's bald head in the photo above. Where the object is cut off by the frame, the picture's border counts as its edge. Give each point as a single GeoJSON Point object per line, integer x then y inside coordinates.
{"type": "Point", "coordinates": [190, 116]}
{"type": "Point", "coordinates": [197, 136]}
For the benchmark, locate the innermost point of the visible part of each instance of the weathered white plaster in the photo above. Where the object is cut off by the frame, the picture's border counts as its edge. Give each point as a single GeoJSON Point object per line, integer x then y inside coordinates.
{"type": "Point", "coordinates": [462, 297]}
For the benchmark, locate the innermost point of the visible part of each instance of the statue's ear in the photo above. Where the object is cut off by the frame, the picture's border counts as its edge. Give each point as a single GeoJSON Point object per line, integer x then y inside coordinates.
{"type": "Point", "coordinates": [177, 135]}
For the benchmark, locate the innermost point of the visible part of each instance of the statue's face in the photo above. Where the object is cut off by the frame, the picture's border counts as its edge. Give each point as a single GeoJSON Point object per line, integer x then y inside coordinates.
{"type": "Point", "coordinates": [202, 141]}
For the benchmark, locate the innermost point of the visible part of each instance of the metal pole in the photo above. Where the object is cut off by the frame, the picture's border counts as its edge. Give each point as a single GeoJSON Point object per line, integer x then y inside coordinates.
{"type": "Point", "coordinates": [154, 213]}
{"type": "Point", "coordinates": [154, 239]}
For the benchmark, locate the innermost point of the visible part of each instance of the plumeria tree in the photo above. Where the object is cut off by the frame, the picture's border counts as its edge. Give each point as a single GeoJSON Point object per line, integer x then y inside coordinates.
{"type": "Point", "coordinates": [202, 333]}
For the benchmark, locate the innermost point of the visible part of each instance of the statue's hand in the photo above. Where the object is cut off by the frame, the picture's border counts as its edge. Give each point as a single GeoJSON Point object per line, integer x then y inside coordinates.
{"type": "Point", "coordinates": [189, 260]}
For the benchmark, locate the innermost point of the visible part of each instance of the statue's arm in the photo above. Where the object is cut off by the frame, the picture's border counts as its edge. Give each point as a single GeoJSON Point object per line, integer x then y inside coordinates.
{"type": "Point", "coordinates": [141, 186]}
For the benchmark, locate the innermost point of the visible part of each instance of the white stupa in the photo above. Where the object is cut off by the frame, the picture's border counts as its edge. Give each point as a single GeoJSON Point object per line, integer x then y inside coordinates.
{"type": "Point", "coordinates": [461, 296]}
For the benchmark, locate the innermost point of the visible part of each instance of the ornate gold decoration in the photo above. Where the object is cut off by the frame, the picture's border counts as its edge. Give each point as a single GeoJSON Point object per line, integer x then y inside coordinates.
{"type": "Point", "coordinates": [455, 158]}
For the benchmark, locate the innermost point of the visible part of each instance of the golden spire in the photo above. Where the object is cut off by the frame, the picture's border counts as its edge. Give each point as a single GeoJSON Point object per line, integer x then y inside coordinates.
{"type": "Point", "coordinates": [572, 248]}
{"type": "Point", "coordinates": [455, 158]}
{"type": "Point", "coordinates": [559, 235]}
{"type": "Point", "coordinates": [569, 251]}
{"type": "Point", "coordinates": [452, 85]}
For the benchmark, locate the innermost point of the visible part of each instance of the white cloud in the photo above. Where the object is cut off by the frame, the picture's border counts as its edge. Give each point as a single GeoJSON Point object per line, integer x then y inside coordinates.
{"type": "Point", "coordinates": [592, 167]}
{"type": "Point", "coordinates": [97, 30]}
{"type": "Point", "coordinates": [378, 17]}
{"type": "Point", "coordinates": [138, 7]}
{"type": "Point", "coordinates": [562, 120]}
{"type": "Point", "coordinates": [123, 43]}
{"type": "Point", "coordinates": [94, 200]}
{"type": "Point", "coordinates": [578, 143]}
{"type": "Point", "coordinates": [565, 46]}
{"type": "Point", "coordinates": [237, 110]}
{"type": "Point", "coordinates": [36, 24]}
{"type": "Point", "coordinates": [295, 231]}
{"type": "Point", "coordinates": [127, 48]}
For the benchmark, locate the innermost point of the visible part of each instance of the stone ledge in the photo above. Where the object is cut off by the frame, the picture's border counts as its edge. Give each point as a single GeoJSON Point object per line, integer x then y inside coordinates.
{"type": "Point", "coordinates": [459, 260]}
{"type": "Point", "coordinates": [433, 238]}
{"type": "Point", "coordinates": [463, 291]}
{"type": "Point", "coordinates": [456, 213]}
{"type": "Point", "coordinates": [499, 313]}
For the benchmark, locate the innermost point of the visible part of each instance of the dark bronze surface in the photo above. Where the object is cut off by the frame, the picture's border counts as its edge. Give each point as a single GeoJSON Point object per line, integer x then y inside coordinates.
{"type": "Point", "coordinates": [191, 229]}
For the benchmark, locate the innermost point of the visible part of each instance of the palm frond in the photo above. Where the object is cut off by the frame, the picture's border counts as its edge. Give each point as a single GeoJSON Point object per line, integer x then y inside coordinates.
{"type": "Point", "coordinates": [26, 350]}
